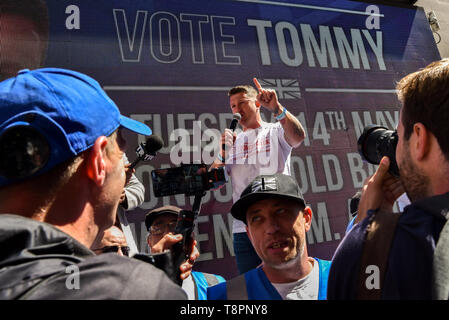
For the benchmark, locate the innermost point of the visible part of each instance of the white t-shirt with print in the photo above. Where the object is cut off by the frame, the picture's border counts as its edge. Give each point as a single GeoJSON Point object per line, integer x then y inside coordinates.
{"type": "Point", "coordinates": [255, 152]}
{"type": "Point", "coordinates": [304, 289]}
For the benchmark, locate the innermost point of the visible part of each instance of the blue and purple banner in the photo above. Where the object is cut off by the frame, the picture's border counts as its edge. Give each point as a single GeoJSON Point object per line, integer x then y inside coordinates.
{"type": "Point", "coordinates": [334, 65]}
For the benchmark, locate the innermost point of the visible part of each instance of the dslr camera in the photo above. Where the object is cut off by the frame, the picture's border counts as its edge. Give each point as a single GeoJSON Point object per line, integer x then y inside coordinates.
{"type": "Point", "coordinates": [376, 142]}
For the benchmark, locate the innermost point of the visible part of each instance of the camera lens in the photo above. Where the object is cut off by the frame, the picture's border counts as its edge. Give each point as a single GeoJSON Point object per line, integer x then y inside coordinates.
{"type": "Point", "coordinates": [377, 142]}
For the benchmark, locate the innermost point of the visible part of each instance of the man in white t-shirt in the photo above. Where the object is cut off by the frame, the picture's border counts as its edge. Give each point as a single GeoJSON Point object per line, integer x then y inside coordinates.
{"type": "Point", "coordinates": [261, 148]}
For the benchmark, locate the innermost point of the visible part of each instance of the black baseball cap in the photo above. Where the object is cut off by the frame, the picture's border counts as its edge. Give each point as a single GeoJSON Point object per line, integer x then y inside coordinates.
{"type": "Point", "coordinates": [153, 214]}
{"type": "Point", "coordinates": [68, 108]}
{"type": "Point", "coordinates": [263, 187]}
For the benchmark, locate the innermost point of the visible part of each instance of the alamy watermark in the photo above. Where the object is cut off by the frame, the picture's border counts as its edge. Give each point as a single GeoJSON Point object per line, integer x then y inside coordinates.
{"type": "Point", "coordinates": [73, 279]}
{"type": "Point", "coordinates": [373, 280]}
{"type": "Point", "coordinates": [373, 21]}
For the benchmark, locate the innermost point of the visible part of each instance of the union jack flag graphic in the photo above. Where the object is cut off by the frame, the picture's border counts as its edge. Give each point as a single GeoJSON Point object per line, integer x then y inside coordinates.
{"type": "Point", "coordinates": [285, 88]}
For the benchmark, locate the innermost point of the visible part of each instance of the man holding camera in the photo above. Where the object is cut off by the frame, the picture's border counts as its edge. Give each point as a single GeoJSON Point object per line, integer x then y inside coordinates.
{"type": "Point", "coordinates": [277, 219]}
{"type": "Point", "coordinates": [161, 223]}
{"type": "Point", "coordinates": [406, 255]}
{"type": "Point", "coordinates": [61, 177]}
{"type": "Point", "coordinates": [262, 148]}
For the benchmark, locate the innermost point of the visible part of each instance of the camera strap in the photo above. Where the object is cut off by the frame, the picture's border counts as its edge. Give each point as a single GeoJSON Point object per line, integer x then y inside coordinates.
{"type": "Point", "coordinates": [376, 248]}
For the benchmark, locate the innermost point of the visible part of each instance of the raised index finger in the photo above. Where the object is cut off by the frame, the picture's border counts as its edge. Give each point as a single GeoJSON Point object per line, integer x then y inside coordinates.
{"type": "Point", "coordinates": [257, 84]}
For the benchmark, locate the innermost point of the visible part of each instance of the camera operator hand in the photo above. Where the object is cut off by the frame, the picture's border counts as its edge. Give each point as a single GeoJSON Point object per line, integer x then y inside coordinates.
{"type": "Point", "coordinates": [379, 191]}
{"type": "Point", "coordinates": [167, 241]}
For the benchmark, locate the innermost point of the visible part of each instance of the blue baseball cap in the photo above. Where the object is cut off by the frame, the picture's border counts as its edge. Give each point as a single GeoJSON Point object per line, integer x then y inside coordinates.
{"type": "Point", "coordinates": [68, 108]}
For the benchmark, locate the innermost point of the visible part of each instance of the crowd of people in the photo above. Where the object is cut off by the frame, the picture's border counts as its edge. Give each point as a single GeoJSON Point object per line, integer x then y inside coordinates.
{"type": "Point", "coordinates": [75, 185]}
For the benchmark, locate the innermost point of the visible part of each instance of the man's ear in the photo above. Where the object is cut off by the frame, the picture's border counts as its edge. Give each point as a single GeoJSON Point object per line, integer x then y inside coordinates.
{"type": "Point", "coordinates": [96, 162]}
{"type": "Point", "coordinates": [307, 214]}
{"type": "Point", "coordinates": [422, 141]}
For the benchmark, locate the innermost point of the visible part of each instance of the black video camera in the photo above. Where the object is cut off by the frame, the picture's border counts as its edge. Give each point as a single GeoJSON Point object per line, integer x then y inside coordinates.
{"type": "Point", "coordinates": [188, 179]}
{"type": "Point", "coordinates": [376, 142]}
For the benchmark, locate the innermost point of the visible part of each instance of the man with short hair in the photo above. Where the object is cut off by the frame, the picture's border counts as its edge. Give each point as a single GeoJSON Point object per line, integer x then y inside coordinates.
{"type": "Point", "coordinates": [412, 264]}
{"type": "Point", "coordinates": [61, 177]}
{"type": "Point", "coordinates": [161, 223]}
{"type": "Point", "coordinates": [262, 148]}
{"type": "Point", "coordinates": [24, 41]}
{"type": "Point", "coordinates": [277, 219]}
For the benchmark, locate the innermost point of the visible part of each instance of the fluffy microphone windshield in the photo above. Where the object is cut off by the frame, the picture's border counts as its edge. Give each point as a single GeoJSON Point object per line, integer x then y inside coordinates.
{"type": "Point", "coordinates": [153, 144]}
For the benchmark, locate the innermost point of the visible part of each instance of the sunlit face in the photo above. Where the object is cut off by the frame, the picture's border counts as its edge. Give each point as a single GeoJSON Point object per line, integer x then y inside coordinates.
{"type": "Point", "coordinates": [21, 46]}
{"type": "Point", "coordinates": [247, 107]}
{"type": "Point", "coordinates": [277, 229]}
{"type": "Point", "coordinates": [414, 181]}
{"type": "Point", "coordinates": [115, 175]}
{"type": "Point", "coordinates": [165, 222]}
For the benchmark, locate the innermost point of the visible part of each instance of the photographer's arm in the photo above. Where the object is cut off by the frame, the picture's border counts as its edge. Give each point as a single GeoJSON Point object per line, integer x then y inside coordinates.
{"type": "Point", "coordinates": [167, 242]}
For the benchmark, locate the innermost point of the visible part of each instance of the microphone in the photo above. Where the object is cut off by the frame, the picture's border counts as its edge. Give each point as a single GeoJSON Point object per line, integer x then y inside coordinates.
{"type": "Point", "coordinates": [147, 151]}
{"type": "Point", "coordinates": [235, 119]}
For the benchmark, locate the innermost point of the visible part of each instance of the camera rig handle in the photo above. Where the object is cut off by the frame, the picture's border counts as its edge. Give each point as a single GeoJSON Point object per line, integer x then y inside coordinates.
{"type": "Point", "coordinates": [186, 222]}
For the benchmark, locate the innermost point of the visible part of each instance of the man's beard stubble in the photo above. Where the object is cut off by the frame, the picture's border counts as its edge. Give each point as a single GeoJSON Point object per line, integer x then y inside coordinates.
{"type": "Point", "coordinates": [414, 182]}
{"type": "Point", "coordinates": [291, 260]}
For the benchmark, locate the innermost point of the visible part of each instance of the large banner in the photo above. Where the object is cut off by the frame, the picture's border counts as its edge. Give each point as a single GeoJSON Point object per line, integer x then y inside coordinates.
{"type": "Point", "coordinates": [333, 64]}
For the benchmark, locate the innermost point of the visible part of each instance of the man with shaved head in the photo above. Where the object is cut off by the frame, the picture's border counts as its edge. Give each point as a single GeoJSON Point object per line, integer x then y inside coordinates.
{"type": "Point", "coordinates": [277, 218]}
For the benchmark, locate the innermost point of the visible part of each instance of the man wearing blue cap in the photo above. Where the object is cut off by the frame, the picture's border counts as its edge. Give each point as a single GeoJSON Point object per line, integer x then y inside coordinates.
{"type": "Point", "coordinates": [61, 177]}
